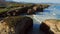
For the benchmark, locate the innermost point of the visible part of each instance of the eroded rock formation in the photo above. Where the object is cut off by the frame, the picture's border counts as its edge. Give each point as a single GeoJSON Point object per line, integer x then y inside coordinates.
{"type": "Point", "coordinates": [16, 25]}
{"type": "Point", "coordinates": [24, 10]}
{"type": "Point", "coordinates": [50, 26]}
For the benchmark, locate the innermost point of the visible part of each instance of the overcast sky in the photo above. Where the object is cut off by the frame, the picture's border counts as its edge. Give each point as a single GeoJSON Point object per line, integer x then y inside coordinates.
{"type": "Point", "coordinates": [38, 1]}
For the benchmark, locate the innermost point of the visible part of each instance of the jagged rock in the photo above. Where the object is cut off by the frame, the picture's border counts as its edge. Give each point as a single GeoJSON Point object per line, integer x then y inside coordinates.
{"type": "Point", "coordinates": [24, 10]}
{"type": "Point", "coordinates": [16, 25]}
{"type": "Point", "coordinates": [51, 26]}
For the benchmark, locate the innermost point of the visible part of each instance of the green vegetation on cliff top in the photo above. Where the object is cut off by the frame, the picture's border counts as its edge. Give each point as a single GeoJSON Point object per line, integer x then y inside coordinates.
{"type": "Point", "coordinates": [10, 6]}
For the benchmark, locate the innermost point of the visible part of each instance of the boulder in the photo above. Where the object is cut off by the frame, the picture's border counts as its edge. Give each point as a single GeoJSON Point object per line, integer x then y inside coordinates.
{"type": "Point", "coordinates": [16, 25]}
{"type": "Point", "coordinates": [50, 26]}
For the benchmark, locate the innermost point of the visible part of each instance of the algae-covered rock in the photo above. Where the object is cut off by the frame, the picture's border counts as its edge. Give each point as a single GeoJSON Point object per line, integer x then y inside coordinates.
{"type": "Point", "coordinates": [51, 26]}
{"type": "Point", "coordinates": [16, 25]}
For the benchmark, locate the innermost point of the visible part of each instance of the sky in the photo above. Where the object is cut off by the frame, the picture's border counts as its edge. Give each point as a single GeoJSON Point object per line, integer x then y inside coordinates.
{"type": "Point", "coordinates": [38, 1]}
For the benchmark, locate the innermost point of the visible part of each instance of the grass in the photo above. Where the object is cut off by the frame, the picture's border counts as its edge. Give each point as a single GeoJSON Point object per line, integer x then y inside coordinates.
{"type": "Point", "coordinates": [3, 10]}
{"type": "Point", "coordinates": [10, 6]}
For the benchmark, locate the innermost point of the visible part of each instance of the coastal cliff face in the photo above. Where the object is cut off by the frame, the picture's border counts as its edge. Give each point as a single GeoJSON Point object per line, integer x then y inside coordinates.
{"type": "Point", "coordinates": [4, 28]}
{"type": "Point", "coordinates": [25, 10]}
{"type": "Point", "coordinates": [16, 25]}
{"type": "Point", "coordinates": [51, 26]}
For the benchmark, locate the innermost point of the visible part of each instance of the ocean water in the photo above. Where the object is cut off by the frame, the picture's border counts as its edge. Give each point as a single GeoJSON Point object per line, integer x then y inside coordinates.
{"type": "Point", "coordinates": [53, 12]}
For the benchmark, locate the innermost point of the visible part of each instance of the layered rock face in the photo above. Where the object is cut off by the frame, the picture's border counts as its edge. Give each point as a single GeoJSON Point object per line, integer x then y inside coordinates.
{"type": "Point", "coordinates": [16, 25]}
{"type": "Point", "coordinates": [4, 28]}
{"type": "Point", "coordinates": [50, 26]}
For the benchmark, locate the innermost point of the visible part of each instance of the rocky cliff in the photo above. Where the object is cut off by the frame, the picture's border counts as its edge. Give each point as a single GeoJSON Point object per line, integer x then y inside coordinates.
{"type": "Point", "coordinates": [51, 26]}
{"type": "Point", "coordinates": [16, 25]}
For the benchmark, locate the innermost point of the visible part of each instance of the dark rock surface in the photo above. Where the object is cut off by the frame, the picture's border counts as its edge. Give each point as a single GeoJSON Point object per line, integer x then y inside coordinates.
{"type": "Point", "coordinates": [45, 28]}
{"type": "Point", "coordinates": [24, 10]}
{"type": "Point", "coordinates": [27, 24]}
{"type": "Point", "coordinates": [16, 25]}
{"type": "Point", "coordinates": [50, 26]}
